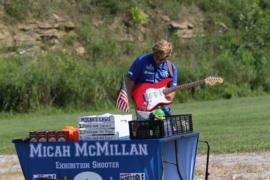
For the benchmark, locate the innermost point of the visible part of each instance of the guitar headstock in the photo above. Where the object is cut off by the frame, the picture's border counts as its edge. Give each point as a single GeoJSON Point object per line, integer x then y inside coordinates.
{"type": "Point", "coordinates": [211, 80]}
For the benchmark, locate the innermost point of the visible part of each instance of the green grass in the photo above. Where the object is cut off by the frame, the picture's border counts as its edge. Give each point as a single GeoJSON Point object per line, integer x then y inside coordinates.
{"type": "Point", "coordinates": [14, 126]}
{"type": "Point", "coordinates": [236, 125]}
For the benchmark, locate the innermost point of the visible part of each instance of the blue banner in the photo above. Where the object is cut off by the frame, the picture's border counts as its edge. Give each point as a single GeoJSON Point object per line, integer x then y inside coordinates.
{"type": "Point", "coordinates": [109, 160]}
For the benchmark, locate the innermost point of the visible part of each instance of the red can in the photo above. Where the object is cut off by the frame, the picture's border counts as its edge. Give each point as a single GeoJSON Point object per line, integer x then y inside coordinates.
{"type": "Point", "coordinates": [34, 136]}
{"type": "Point", "coordinates": [43, 136]}
{"type": "Point", "coordinates": [62, 136]}
{"type": "Point", "coordinates": [52, 136]}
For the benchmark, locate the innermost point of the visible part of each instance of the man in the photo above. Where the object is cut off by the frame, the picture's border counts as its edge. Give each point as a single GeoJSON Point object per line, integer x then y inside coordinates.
{"type": "Point", "coordinates": [152, 68]}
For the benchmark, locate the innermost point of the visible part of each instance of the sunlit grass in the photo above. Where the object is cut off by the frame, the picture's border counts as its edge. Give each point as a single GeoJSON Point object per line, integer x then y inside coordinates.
{"type": "Point", "coordinates": [236, 125]}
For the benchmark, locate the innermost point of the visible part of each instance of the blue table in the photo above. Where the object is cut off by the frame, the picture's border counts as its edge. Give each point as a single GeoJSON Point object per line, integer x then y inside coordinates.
{"type": "Point", "coordinates": [170, 158]}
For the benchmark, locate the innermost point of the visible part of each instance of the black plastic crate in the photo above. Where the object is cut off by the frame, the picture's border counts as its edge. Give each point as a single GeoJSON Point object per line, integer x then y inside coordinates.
{"type": "Point", "coordinates": [172, 125]}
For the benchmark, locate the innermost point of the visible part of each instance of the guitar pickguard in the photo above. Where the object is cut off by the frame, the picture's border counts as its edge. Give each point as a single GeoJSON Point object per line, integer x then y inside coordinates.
{"type": "Point", "coordinates": [154, 97]}
{"type": "Point", "coordinates": [147, 96]}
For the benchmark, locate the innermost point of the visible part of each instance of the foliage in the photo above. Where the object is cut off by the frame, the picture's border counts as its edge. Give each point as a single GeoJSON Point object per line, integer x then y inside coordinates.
{"type": "Point", "coordinates": [234, 44]}
{"type": "Point", "coordinates": [55, 80]}
{"type": "Point", "coordinates": [16, 10]}
{"type": "Point", "coordinates": [137, 16]}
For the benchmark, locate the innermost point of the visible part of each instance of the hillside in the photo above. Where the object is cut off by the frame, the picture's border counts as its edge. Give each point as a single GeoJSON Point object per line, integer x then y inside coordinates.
{"type": "Point", "coordinates": [23, 30]}
{"type": "Point", "coordinates": [74, 53]}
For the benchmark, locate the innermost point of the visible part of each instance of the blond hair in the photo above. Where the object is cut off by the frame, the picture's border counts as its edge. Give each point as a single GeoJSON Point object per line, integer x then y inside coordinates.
{"type": "Point", "coordinates": [163, 46]}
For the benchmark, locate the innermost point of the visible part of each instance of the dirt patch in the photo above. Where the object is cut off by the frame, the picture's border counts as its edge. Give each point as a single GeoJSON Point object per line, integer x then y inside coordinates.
{"type": "Point", "coordinates": [240, 166]}
{"type": "Point", "coordinates": [10, 168]}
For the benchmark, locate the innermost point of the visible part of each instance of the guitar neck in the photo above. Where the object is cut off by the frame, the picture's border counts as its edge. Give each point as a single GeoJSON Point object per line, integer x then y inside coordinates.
{"type": "Point", "coordinates": [184, 86]}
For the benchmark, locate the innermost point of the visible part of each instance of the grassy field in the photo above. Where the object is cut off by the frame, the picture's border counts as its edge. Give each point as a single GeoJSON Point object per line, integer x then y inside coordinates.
{"type": "Point", "coordinates": [235, 125]}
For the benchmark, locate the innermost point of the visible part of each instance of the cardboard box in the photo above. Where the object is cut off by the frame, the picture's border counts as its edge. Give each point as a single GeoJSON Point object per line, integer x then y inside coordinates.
{"type": "Point", "coordinates": [105, 124]}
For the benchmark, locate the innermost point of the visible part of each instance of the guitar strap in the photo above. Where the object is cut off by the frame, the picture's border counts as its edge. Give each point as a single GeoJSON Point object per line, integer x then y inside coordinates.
{"type": "Point", "coordinates": [169, 64]}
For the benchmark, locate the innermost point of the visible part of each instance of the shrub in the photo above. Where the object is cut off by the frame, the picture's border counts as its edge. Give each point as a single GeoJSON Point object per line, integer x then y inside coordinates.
{"type": "Point", "coordinates": [240, 53]}
{"type": "Point", "coordinates": [17, 10]}
{"type": "Point", "coordinates": [138, 16]}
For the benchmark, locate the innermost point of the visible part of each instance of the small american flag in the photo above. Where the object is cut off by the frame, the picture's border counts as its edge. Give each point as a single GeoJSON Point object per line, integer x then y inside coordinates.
{"type": "Point", "coordinates": [122, 98]}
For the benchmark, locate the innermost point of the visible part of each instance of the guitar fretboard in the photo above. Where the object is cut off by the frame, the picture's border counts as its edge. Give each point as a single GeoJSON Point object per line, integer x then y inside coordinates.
{"type": "Point", "coordinates": [184, 86]}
